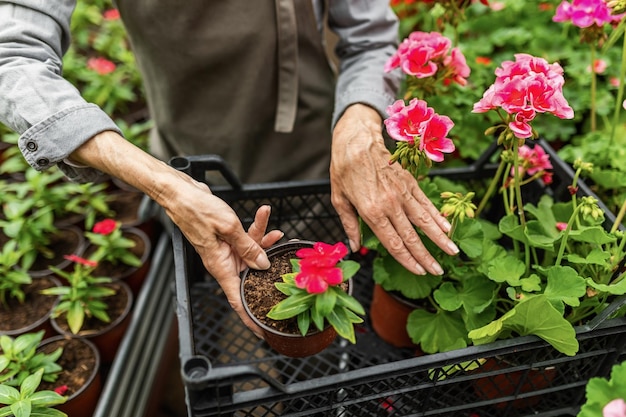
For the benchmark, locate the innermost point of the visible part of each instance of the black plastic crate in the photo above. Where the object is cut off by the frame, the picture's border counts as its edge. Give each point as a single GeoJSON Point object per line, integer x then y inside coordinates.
{"type": "Point", "coordinates": [228, 371]}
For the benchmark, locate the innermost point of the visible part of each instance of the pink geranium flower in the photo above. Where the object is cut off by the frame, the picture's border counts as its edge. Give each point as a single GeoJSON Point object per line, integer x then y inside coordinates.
{"type": "Point", "coordinates": [584, 13]}
{"type": "Point", "coordinates": [523, 88]}
{"type": "Point", "coordinates": [534, 161]}
{"type": "Point", "coordinates": [425, 54]}
{"type": "Point", "coordinates": [418, 123]}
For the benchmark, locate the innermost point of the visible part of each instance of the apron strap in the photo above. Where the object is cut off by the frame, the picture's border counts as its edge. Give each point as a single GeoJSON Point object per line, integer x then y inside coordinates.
{"type": "Point", "coordinates": [287, 102]}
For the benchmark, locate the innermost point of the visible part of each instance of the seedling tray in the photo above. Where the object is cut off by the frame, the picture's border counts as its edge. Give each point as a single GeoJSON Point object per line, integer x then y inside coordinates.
{"type": "Point", "coordinates": [227, 371]}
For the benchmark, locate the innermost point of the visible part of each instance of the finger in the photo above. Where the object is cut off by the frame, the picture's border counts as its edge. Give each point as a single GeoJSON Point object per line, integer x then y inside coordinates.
{"type": "Point", "coordinates": [349, 220]}
{"type": "Point", "coordinates": [428, 205]}
{"type": "Point", "coordinates": [431, 226]}
{"type": "Point", "coordinates": [261, 219]}
{"type": "Point", "coordinates": [271, 238]}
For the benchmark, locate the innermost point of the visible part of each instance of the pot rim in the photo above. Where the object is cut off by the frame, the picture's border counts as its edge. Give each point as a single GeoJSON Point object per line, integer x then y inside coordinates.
{"type": "Point", "coordinates": [276, 250]}
{"type": "Point", "coordinates": [96, 369]}
{"type": "Point", "coordinates": [87, 333]}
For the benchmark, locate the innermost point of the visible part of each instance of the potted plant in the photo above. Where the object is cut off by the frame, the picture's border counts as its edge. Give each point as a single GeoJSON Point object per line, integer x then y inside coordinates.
{"type": "Point", "coordinates": [83, 311]}
{"type": "Point", "coordinates": [121, 253]}
{"type": "Point", "coordinates": [537, 267]}
{"type": "Point", "coordinates": [80, 380]}
{"type": "Point", "coordinates": [27, 401]}
{"type": "Point", "coordinates": [22, 308]}
{"type": "Point", "coordinates": [19, 359]}
{"type": "Point", "coordinates": [303, 301]}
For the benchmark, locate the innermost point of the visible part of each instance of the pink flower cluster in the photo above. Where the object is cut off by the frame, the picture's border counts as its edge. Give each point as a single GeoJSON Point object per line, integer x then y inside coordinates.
{"type": "Point", "coordinates": [535, 160]}
{"type": "Point", "coordinates": [523, 88]}
{"type": "Point", "coordinates": [318, 266]}
{"type": "Point", "coordinates": [423, 54]}
{"type": "Point", "coordinates": [585, 13]}
{"type": "Point", "coordinates": [418, 123]}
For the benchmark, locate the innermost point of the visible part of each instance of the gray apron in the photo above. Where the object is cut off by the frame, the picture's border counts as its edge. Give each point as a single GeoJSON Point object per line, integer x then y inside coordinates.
{"type": "Point", "coordinates": [222, 77]}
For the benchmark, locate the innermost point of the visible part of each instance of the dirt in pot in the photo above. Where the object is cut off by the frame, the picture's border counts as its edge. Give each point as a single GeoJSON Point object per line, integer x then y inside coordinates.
{"type": "Point", "coordinates": [261, 293]}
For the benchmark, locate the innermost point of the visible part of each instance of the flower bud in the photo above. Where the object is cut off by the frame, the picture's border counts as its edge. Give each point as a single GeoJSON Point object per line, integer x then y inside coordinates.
{"type": "Point", "coordinates": [586, 167]}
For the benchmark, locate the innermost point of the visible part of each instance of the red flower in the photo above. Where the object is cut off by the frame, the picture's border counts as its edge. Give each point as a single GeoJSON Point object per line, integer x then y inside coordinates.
{"type": "Point", "coordinates": [105, 227]}
{"type": "Point", "coordinates": [82, 261]}
{"type": "Point", "coordinates": [101, 65]}
{"type": "Point", "coordinates": [318, 266]}
{"type": "Point", "coordinates": [111, 14]}
{"type": "Point", "coordinates": [62, 390]}
{"type": "Point", "coordinates": [322, 255]}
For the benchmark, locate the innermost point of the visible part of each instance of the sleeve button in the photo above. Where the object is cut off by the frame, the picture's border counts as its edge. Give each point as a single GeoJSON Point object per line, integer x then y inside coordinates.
{"type": "Point", "coordinates": [42, 161]}
{"type": "Point", "coordinates": [31, 146]}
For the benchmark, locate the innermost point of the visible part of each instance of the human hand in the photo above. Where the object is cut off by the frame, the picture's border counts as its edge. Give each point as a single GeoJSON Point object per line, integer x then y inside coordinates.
{"type": "Point", "coordinates": [387, 197]}
{"type": "Point", "coordinates": [215, 231]}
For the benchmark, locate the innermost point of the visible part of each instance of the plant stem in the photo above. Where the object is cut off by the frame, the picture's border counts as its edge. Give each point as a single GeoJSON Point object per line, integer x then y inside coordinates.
{"type": "Point", "coordinates": [620, 94]}
{"type": "Point", "coordinates": [516, 184]}
{"type": "Point", "coordinates": [491, 188]}
{"type": "Point", "coordinates": [593, 88]}
{"type": "Point", "coordinates": [619, 218]}
{"type": "Point", "coordinates": [566, 235]}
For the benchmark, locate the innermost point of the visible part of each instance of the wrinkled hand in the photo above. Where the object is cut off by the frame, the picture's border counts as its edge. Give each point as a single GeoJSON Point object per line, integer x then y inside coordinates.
{"type": "Point", "coordinates": [215, 231]}
{"type": "Point", "coordinates": [387, 197]}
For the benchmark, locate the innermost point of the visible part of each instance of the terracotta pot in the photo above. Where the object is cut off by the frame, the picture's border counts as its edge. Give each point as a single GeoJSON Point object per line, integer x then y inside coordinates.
{"type": "Point", "coordinates": [69, 240]}
{"type": "Point", "coordinates": [290, 344]}
{"type": "Point", "coordinates": [389, 314]}
{"type": "Point", "coordinates": [83, 399]}
{"type": "Point", "coordinates": [508, 383]}
{"type": "Point", "coordinates": [134, 276]}
{"type": "Point", "coordinates": [106, 336]}
{"type": "Point", "coordinates": [34, 314]}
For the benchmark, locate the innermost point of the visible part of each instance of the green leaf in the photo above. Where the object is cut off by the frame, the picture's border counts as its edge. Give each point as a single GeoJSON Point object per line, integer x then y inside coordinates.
{"type": "Point", "coordinates": [507, 269]}
{"type": "Point", "coordinates": [304, 321]}
{"type": "Point", "coordinates": [291, 306]}
{"type": "Point", "coordinates": [21, 408]}
{"type": "Point", "coordinates": [325, 302]}
{"type": "Point", "coordinates": [594, 257]}
{"type": "Point", "coordinates": [564, 285]}
{"type": "Point", "coordinates": [469, 237]}
{"type": "Point", "coordinates": [439, 332]}
{"type": "Point", "coordinates": [614, 289]}
{"type": "Point", "coordinates": [348, 268]}
{"type": "Point", "coordinates": [8, 395]}
{"type": "Point", "coordinates": [46, 398]}
{"type": "Point", "coordinates": [534, 315]}
{"type": "Point", "coordinates": [346, 300]}
{"type": "Point", "coordinates": [509, 225]}
{"type": "Point", "coordinates": [394, 277]}
{"type": "Point", "coordinates": [317, 318]}
{"type": "Point", "coordinates": [31, 383]}
{"type": "Point", "coordinates": [593, 234]}
{"type": "Point", "coordinates": [342, 324]}
{"type": "Point", "coordinates": [75, 316]}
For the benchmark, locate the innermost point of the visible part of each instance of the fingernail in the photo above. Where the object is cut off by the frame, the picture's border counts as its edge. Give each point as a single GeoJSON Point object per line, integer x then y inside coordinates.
{"type": "Point", "coordinates": [262, 261]}
{"type": "Point", "coordinates": [437, 268]}
{"type": "Point", "coordinates": [454, 248]}
{"type": "Point", "coordinates": [353, 246]}
{"type": "Point", "coordinates": [446, 226]}
{"type": "Point", "coordinates": [420, 269]}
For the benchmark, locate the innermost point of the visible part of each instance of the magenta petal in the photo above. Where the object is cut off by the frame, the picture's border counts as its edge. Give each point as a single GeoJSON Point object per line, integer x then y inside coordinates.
{"type": "Point", "coordinates": [334, 276]}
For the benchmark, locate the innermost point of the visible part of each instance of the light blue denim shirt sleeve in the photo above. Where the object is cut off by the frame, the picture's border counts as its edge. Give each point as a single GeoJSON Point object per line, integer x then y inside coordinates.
{"type": "Point", "coordinates": [35, 101]}
{"type": "Point", "coordinates": [368, 36]}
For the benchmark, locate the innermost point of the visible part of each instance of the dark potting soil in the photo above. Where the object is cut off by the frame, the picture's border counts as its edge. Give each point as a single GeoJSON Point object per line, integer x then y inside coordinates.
{"type": "Point", "coordinates": [16, 315]}
{"type": "Point", "coordinates": [78, 361]}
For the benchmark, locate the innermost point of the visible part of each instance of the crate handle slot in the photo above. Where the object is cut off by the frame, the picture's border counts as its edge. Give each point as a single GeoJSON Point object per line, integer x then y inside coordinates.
{"type": "Point", "coordinates": [197, 165]}
{"type": "Point", "coordinates": [198, 373]}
